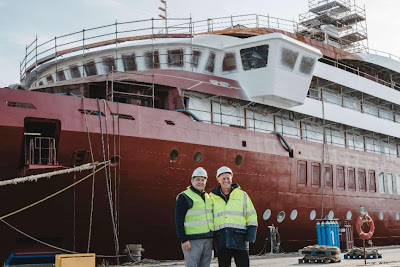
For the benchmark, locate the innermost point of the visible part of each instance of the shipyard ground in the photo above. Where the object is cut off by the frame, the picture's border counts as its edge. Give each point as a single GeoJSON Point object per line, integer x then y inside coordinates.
{"type": "Point", "coordinates": [390, 257]}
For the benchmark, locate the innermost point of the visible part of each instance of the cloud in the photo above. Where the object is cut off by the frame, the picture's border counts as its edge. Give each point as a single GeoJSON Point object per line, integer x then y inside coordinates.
{"type": "Point", "coordinates": [2, 3]}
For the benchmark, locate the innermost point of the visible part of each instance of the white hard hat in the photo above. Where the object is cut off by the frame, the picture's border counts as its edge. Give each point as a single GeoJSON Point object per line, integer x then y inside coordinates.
{"type": "Point", "coordinates": [224, 169]}
{"type": "Point", "coordinates": [199, 172]}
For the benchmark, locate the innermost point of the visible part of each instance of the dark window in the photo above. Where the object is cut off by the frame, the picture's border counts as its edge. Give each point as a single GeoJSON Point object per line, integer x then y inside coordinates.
{"type": "Point", "coordinates": [316, 180]}
{"type": "Point", "coordinates": [254, 57]}
{"type": "Point", "coordinates": [328, 176]}
{"type": "Point", "coordinates": [307, 64]}
{"type": "Point", "coordinates": [60, 75]}
{"type": "Point", "coordinates": [129, 62]}
{"type": "Point", "coordinates": [109, 64]}
{"type": "Point", "coordinates": [175, 57]}
{"type": "Point", "coordinates": [196, 58]}
{"type": "Point", "coordinates": [340, 177]}
{"type": "Point", "coordinates": [210, 62]}
{"type": "Point", "coordinates": [49, 79]}
{"type": "Point", "coordinates": [352, 179]}
{"type": "Point", "coordinates": [152, 60]}
{"type": "Point", "coordinates": [40, 83]}
{"type": "Point", "coordinates": [362, 180]}
{"type": "Point", "coordinates": [90, 68]}
{"type": "Point", "coordinates": [288, 58]}
{"type": "Point", "coordinates": [229, 63]}
{"type": "Point", "coordinates": [302, 173]}
{"type": "Point", "coordinates": [75, 72]}
{"type": "Point", "coordinates": [372, 182]}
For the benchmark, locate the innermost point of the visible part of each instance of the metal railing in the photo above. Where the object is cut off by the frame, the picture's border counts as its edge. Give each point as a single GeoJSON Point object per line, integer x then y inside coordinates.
{"type": "Point", "coordinates": [41, 150]}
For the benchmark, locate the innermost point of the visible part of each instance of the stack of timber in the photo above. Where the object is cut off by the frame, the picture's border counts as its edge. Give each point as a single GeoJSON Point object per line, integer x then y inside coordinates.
{"type": "Point", "coordinates": [358, 253]}
{"type": "Point", "coordinates": [320, 254]}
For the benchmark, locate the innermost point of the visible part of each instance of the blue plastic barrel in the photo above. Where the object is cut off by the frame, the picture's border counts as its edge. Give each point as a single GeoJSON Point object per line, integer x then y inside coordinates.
{"type": "Point", "coordinates": [318, 226]}
{"type": "Point", "coordinates": [328, 233]}
{"type": "Point", "coordinates": [323, 228]}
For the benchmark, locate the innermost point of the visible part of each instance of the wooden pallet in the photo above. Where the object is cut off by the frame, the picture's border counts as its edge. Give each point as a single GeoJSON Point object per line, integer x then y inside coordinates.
{"type": "Point", "coordinates": [321, 253]}
{"type": "Point", "coordinates": [362, 257]}
{"type": "Point", "coordinates": [326, 260]}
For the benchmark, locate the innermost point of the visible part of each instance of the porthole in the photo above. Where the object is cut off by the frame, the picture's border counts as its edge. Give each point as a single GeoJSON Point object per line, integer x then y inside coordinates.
{"type": "Point", "coordinates": [267, 214]}
{"type": "Point", "coordinates": [238, 160]}
{"type": "Point", "coordinates": [280, 217]}
{"type": "Point", "coordinates": [330, 215]}
{"type": "Point", "coordinates": [114, 161]}
{"type": "Point", "coordinates": [349, 215]}
{"type": "Point", "coordinates": [173, 155]}
{"type": "Point", "coordinates": [381, 216]}
{"type": "Point", "coordinates": [313, 214]}
{"type": "Point", "coordinates": [197, 156]}
{"type": "Point", "coordinates": [397, 216]}
{"type": "Point", "coordinates": [293, 215]}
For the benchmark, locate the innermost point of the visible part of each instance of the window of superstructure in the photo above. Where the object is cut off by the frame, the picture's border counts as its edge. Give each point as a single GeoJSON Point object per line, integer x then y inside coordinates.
{"type": "Point", "coordinates": [307, 64]}
{"type": "Point", "coordinates": [390, 183]}
{"type": "Point", "coordinates": [229, 62]}
{"type": "Point", "coordinates": [316, 179]}
{"type": "Point", "coordinates": [382, 183]}
{"type": "Point", "coordinates": [196, 54]}
{"type": "Point", "coordinates": [49, 79]}
{"type": "Point", "coordinates": [109, 64]}
{"type": "Point", "coordinates": [60, 75]}
{"type": "Point", "coordinates": [210, 62]}
{"type": "Point", "coordinates": [74, 70]}
{"type": "Point", "coordinates": [288, 58]}
{"type": "Point", "coordinates": [90, 68]}
{"type": "Point", "coordinates": [129, 62]}
{"type": "Point", "coordinates": [328, 176]}
{"type": "Point", "coordinates": [175, 57]}
{"type": "Point", "coordinates": [352, 179]}
{"type": "Point", "coordinates": [152, 60]}
{"type": "Point", "coordinates": [340, 177]}
{"type": "Point", "coordinates": [372, 182]}
{"type": "Point", "coordinates": [398, 183]}
{"type": "Point", "coordinates": [254, 57]}
{"type": "Point", "coordinates": [362, 181]}
{"type": "Point", "coordinates": [302, 173]}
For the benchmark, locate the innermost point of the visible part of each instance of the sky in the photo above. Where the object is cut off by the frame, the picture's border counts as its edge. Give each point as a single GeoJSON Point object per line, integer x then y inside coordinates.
{"type": "Point", "coordinates": [22, 20]}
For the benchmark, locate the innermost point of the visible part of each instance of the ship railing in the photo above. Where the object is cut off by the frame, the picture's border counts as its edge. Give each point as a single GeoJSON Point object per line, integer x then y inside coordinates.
{"type": "Point", "coordinates": [310, 129]}
{"type": "Point", "coordinates": [384, 54]}
{"type": "Point", "coordinates": [41, 151]}
{"type": "Point", "coordinates": [358, 72]}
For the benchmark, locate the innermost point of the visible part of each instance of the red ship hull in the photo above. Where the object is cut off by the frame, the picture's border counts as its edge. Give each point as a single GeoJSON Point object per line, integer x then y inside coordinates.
{"type": "Point", "coordinates": [150, 180]}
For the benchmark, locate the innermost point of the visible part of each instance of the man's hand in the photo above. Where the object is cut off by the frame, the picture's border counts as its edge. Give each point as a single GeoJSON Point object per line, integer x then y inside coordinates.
{"type": "Point", "coordinates": [186, 246]}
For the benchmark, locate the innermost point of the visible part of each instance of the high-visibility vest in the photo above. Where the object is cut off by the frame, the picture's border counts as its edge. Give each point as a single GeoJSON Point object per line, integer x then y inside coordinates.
{"type": "Point", "coordinates": [237, 213]}
{"type": "Point", "coordinates": [199, 218]}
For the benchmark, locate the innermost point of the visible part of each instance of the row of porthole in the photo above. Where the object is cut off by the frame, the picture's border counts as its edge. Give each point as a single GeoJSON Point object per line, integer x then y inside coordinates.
{"type": "Point", "coordinates": [293, 215]}
{"type": "Point", "coordinates": [174, 154]}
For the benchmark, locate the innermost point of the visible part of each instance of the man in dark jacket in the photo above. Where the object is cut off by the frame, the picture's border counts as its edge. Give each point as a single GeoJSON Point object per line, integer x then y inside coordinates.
{"type": "Point", "coordinates": [235, 220]}
{"type": "Point", "coordinates": [194, 221]}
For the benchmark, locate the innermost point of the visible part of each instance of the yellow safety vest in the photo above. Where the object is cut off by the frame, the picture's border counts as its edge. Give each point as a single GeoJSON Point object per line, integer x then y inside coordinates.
{"type": "Point", "coordinates": [199, 218]}
{"type": "Point", "coordinates": [237, 213]}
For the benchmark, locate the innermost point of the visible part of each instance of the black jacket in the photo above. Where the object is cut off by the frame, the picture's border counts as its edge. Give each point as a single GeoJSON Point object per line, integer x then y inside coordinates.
{"type": "Point", "coordinates": [230, 237]}
{"type": "Point", "coordinates": [183, 204]}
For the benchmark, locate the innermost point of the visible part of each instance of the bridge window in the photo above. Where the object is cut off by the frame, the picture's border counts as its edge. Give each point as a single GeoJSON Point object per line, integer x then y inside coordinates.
{"type": "Point", "coordinates": [328, 176]}
{"type": "Point", "coordinates": [60, 75]}
{"type": "Point", "coordinates": [210, 62]}
{"type": "Point", "coordinates": [229, 62]}
{"type": "Point", "coordinates": [340, 177]}
{"type": "Point", "coordinates": [372, 182]}
{"type": "Point", "coordinates": [362, 180]}
{"type": "Point", "coordinates": [302, 173]}
{"type": "Point", "coordinates": [288, 58]}
{"type": "Point", "coordinates": [49, 79]}
{"type": "Point", "coordinates": [90, 68]}
{"type": "Point", "coordinates": [196, 54]}
{"type": "Point", "coordinates": [352, 179]}
{"type": "Point", "coordinates": [129, 62]}
{"type": "Point", "coordinates": [175, 57]}
{"type": "Point", "coordinates": [109, 64]}
{"type": "Point", "coordinates": [307, 64]}
{"type": "Point", "coordinates": [398, 183]}
{"type": "Point", "coordinates": [382, 186]}
{"type": "Point", "coordinates": [316, 179]}
{"type": "Point", "coordinates": [152, 60]}
{"type": "Point", "coordinates": [254, 57]}
{"type": "Point", "coordinates": [390, 183]}
{"type": "Point", "coordinates": [74, 70]}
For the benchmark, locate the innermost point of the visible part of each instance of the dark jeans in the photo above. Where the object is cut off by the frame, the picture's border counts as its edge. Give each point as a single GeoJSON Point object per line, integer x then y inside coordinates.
{"type": "Point", "coordinates": [241, 257]}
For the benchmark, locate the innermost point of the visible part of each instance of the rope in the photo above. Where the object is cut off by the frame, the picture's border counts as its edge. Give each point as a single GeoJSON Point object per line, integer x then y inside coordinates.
{"type": "Point", "coordinates": [52, 195]}
{"type": "Point", "coordinates": [107, 183]}
{"type": "Point", "coordinates": [34, 178]}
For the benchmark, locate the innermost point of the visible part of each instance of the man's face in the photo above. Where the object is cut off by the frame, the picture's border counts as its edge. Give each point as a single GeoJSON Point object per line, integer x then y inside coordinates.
{"type": "Point", "coordinates": [199, 183]}
{"type": "Point", "coordinates": [225, 180]}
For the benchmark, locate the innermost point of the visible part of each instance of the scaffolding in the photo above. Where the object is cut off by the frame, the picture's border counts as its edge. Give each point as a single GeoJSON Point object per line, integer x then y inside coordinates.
{"type": "Point", "coordinates": [340, 23]}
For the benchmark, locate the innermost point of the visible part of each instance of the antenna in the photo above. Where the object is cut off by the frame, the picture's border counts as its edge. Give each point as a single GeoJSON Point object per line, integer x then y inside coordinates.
{"type": "Point", "coordinates": [164, 16]}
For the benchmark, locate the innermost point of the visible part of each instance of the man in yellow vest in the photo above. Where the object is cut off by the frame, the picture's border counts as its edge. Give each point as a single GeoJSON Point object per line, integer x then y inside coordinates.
{"type": "Point", "coordinates": [194, 221]}
{"type": "Point", "coordinates": [235, 220]}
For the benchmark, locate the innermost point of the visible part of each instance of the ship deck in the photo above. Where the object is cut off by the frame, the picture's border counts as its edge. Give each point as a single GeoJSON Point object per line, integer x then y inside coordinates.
{"type": "Point", "coordinates": [390, 257]}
